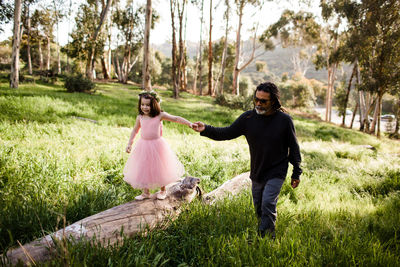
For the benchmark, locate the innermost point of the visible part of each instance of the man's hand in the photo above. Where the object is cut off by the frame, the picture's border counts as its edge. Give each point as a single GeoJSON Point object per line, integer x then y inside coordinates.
{"type": "Point", "coordinates": [295, 183]}
{"type": "Point", "coordinates": [199, 126]}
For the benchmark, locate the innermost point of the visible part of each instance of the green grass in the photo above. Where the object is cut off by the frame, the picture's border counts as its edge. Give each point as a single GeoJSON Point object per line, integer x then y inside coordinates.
{"type": "Point", "coordinates": [56, 165]}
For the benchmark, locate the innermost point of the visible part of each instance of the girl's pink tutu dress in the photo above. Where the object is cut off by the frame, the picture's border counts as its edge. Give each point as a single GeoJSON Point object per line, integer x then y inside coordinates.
{"type": "Point", "coordinates": [152, 162]}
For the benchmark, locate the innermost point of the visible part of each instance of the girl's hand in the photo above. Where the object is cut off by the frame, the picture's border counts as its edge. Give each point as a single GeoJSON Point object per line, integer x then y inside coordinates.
{"type": "Point", "coordinates": [128, 149]}
{"type": "Point", "coordinates": [193, 126]}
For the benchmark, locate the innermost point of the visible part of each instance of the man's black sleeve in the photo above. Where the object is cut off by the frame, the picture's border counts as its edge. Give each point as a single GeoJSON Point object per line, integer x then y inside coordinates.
{"type": "Point", "coordinates": [225, 133]}
{"type": "Point", "coordinates": [294, 151]}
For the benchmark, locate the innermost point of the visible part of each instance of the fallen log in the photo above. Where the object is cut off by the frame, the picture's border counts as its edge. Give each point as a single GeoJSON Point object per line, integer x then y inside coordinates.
{"type": "Point", "coordinates": [230, 187]}
{"type": "Point", "coordinates": [107, 226]}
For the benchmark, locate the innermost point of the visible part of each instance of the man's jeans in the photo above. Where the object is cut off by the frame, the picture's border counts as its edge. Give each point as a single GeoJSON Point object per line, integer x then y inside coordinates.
{"type": "Point", "coordinates": [265, 198]}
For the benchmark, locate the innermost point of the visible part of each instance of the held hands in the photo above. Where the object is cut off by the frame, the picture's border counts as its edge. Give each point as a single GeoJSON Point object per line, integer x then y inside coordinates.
{"type": "Point", "coordinates": [198, 126]}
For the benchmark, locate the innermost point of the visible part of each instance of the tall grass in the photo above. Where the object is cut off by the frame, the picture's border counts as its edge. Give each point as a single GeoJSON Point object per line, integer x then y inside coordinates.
{"type": "Point", "coordinates": [62, 155]}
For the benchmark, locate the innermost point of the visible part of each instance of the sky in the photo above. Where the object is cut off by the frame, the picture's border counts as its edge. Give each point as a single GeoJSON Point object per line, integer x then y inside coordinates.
{"type": "Point", "coordinates": [264, 16]}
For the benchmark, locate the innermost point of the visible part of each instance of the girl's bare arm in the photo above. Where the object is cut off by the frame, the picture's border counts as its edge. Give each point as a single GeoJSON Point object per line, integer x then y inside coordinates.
{"type": "Point", "coordinates": [134, 132]}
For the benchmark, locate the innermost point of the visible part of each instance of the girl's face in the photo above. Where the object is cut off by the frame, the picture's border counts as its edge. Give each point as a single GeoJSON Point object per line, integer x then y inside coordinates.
{"type": "Point", "coordinates": [145, 106]}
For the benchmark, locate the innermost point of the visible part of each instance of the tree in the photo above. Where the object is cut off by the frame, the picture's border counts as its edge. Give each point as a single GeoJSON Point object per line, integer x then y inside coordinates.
{"type": "Point", "coordinates": [93, 38]}
{"type": "Point", "coordinates": [146, 85]}
{"type": "Point", "coordinates": [198, 65]}
{"type": "Point", "coordinates": [14, 77]}
{"type": "Point", "coordinates": [374, 31]}
{"type": "Point", "coordinates": [221, 75]}
{"type": "Point", "coordinates": [240, 6]}
{"type": "Point", "coordinates": [131, 27]}
{"type": "Point", "coordinates": [210, 57]}
{"type": "Point", "coordinates": [298, 30]}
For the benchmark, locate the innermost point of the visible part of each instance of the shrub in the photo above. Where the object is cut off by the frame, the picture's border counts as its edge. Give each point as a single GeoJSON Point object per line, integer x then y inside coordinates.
{"type": "Point", "coordinates": [79, 83]}
{"type": "Point", "coordinates": [235, 102]}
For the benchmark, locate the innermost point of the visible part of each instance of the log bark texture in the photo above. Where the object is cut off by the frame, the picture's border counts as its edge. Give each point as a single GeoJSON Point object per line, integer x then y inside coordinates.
{"type": "Point", "coordinates": [107, 226]}
{"type": "Point", "coordinates": [229, 188]}
{"type": "Point", "coordinates": [129, 219]}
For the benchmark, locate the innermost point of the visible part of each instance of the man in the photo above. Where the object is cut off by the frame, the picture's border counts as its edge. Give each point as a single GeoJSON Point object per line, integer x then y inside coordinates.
{"type": "Point", "coordinates": [272, 141]}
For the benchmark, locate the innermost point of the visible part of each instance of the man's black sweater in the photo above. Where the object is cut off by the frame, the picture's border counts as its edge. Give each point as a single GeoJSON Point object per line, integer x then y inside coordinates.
{"type": "Point", "coordinates": [272, 141]}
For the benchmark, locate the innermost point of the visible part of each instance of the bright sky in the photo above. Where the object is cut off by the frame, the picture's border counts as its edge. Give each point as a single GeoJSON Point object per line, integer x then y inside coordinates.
{"type": "Point", "coordinates": [268, 14]}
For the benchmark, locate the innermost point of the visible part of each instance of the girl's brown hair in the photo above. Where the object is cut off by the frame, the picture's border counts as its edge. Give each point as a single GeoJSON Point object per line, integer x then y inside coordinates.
{"type": "Point", "coordinates": [155, 108]}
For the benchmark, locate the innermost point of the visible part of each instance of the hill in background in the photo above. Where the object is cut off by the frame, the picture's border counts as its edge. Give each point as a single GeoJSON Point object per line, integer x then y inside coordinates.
{"type": "Point", "coordinates": [278, 61]}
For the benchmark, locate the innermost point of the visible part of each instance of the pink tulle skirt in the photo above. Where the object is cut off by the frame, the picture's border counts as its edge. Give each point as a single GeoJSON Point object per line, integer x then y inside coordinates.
{"type": "Point", "coordinates": [152, 164]}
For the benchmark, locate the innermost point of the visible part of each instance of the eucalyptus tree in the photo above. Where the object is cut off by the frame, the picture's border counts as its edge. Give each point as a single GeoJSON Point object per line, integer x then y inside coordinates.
{"type": "Point", "coordinates": [198, 65]}
{"type": "Point", "coordinates": [221, 75]}
{"type": "Point", "coordinates": [240, 7]}
{"type": "Point", "coordinates": [177, 10]}
{"type": "Point", "coordinates": [44, 20]}
{"type": "Point", "coordinates": [146, 80]}
{"type": "Point", "coordinates": [374, 29]}
{"type": "Point", "coordinates": [97, 20]}
{"type": "Point", "coordinates": [298, 30]}
{"type": "Point", "coordinates": [130, 23]}
{"type": "Point", "coordinates": [14, 75]}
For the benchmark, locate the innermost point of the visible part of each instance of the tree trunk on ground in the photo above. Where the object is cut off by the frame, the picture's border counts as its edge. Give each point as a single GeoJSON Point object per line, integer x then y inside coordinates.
{"type": "Point", "coordinates": [229, 188]}
{"type": "Point", "coordinates": [129, 219]}
{"type": "Point", "coordinates": [146, 80]}
{"type": "Point", "coordinates": [14, 75]}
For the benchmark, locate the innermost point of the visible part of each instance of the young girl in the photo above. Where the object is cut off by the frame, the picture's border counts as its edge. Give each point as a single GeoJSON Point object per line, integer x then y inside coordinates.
{"type": "Point", "coordinates": [152, 163]}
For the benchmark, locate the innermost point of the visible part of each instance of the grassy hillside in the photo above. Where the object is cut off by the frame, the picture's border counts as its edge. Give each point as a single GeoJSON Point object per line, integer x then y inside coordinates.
{"type": "Point", "coordinates": [56, 164]}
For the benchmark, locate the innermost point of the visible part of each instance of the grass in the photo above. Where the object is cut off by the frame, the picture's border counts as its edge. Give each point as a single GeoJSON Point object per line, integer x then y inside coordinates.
{"type": "Point", "coordinates": [54, 164]}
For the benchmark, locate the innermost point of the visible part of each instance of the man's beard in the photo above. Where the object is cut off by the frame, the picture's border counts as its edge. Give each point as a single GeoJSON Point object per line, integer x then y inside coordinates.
{"type": "Point", "coordinates": [260, 111]}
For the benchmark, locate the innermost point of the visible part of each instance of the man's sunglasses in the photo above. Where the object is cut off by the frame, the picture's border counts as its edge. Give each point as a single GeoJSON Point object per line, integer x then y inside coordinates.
{"type": "Point", "coordinates": [262, 101]}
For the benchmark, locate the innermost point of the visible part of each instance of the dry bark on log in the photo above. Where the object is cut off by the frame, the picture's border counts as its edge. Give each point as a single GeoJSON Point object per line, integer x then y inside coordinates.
{"type": "Point", "coordinates": [231, 187]}
{"type": "Point", "coordinates": [106, 226]}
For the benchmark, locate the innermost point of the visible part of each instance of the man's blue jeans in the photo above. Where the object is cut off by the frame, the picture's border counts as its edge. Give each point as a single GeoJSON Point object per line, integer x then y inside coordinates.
{"type": "Point", "coordinates": [265, 198]}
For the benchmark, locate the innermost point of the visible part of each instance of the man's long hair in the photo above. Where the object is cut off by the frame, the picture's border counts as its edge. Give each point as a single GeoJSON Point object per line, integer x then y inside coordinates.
{"type": "Point", "coordinates": [273, 90]}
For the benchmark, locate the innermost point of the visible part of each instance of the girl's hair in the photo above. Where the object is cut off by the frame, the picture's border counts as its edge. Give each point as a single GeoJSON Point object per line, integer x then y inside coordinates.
{"type": "Point", "coordinates": [155, 108]}
{"type": "Point", "coordinates": [273, 90]}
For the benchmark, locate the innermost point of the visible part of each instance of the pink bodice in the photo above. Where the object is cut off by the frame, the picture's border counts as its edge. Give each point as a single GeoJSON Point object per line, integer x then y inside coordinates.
{"type": "Point", "coordinates": [151, 128]}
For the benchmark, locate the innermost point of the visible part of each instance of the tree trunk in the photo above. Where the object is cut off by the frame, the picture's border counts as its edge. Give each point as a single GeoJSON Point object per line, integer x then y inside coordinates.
{"type": "Point", "coordinates": [235, 80]}
{"type": "Point", "coordinates": [173, 67]}
{"type": "Point", "coordinates": [210, 56]}
{"type": "Point", "coordinates": [28, 45]}
{"type": "Point", "coordinates": [48, 53]}
{"type": "Point", "coordinates": [107, 226]}
{"type": "Point", "coordinates": [40, 54]}
{"type": "Point", "coordinates": [347, 95]}
{"type": "Point", "coordinates": [104, 68]}
{"type": "Point", "coordinates": [92, 51]}
{"type": "Point", "coordinates": [146, 79]}
{"type": "Point", "coordinates": [14, 75]}
{"type": "Point", "coordinates": [181, 62]}
{"type": "Point", "coordinates": [354, 115]}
